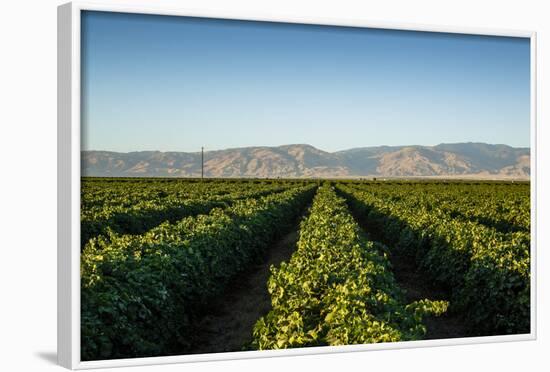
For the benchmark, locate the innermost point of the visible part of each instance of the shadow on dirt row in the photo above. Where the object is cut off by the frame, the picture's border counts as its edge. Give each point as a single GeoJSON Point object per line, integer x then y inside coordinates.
{"type": "Point", "coordinates": [228, 327]}
{"type": "Point", "coordinates": [417, 286]}
{"type": "Point", "coordinates": [229, 323]}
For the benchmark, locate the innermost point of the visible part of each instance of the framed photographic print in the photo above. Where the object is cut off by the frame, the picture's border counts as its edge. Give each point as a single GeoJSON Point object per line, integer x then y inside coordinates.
{"type": "Point", "coordinates": [238, 186]}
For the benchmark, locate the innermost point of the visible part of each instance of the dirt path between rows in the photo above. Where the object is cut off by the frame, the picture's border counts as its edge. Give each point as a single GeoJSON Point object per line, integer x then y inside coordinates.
{"type": "Point", "coordinates": [229, 326]}
{"type": "Point", "coordinates": [417, 286]}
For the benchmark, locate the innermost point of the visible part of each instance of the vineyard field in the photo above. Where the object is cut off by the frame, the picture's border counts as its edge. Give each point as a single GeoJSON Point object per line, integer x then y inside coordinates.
{"type": "Point", "coordinates": [162, 257]}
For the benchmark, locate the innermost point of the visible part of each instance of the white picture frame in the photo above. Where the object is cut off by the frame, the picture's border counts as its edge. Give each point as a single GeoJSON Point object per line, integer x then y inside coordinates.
{"type": "Point", "coordinates": [69, 99]}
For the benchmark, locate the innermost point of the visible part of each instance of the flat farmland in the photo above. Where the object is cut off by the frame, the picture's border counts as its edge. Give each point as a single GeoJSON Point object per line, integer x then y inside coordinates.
{"type": "Point", "coordinates": [181, 266]}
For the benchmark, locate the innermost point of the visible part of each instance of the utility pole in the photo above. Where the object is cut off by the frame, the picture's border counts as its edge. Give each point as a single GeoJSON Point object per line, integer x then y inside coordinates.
{"type": "Point", "coordinates": [202, 163]}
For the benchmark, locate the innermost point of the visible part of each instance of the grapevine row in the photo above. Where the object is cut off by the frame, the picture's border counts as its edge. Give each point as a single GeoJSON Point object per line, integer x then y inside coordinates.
{"type": "Point", "coordinates": [145, 214]}
{"type": "Point", "coordinates": [337, 288]}
{"type": "Point", "coordinates": [142, 293]}
{"type": "Point", "coordinates": [487, 271]}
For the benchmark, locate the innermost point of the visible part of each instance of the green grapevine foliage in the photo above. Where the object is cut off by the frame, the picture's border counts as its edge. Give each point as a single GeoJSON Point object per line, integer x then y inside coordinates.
{"type": "Point", "coordinates": [156, 252]}
{"type": "Point", "coordinates": [486, 267]}
{"type": "Point", "coordinates": [337, 288]}
{"type": "Point", "coordinates": [141, 293]}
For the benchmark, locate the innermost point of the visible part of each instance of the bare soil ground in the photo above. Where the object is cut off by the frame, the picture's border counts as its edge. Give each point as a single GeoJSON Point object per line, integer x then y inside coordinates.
{"type": "Point", "coordinates": [229, 326]}
{"type": "Point", "coordinates": [417, 287]}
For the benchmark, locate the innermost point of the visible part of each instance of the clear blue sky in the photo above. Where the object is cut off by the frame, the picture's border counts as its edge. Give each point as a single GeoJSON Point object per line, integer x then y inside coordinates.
{"type": "Point", "coordinates": [178, 83]}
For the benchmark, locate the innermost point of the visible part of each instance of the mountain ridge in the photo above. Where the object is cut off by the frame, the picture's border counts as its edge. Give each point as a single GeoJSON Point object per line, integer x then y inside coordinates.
{"type": "Point", "coordinates": [453, 160]}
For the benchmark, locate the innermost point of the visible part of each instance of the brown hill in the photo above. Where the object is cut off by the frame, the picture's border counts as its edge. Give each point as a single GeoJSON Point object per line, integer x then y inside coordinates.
{"type": "Point", "coordinates": [465, 160]}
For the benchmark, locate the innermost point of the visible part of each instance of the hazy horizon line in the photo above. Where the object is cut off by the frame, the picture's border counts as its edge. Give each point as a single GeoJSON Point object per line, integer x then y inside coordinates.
{"type": "Point", "coordinates": [306, 144]}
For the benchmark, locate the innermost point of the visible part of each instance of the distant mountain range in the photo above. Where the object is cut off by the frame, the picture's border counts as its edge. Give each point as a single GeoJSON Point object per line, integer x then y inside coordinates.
{"type": "Point", "coordinates": [457, 160]}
